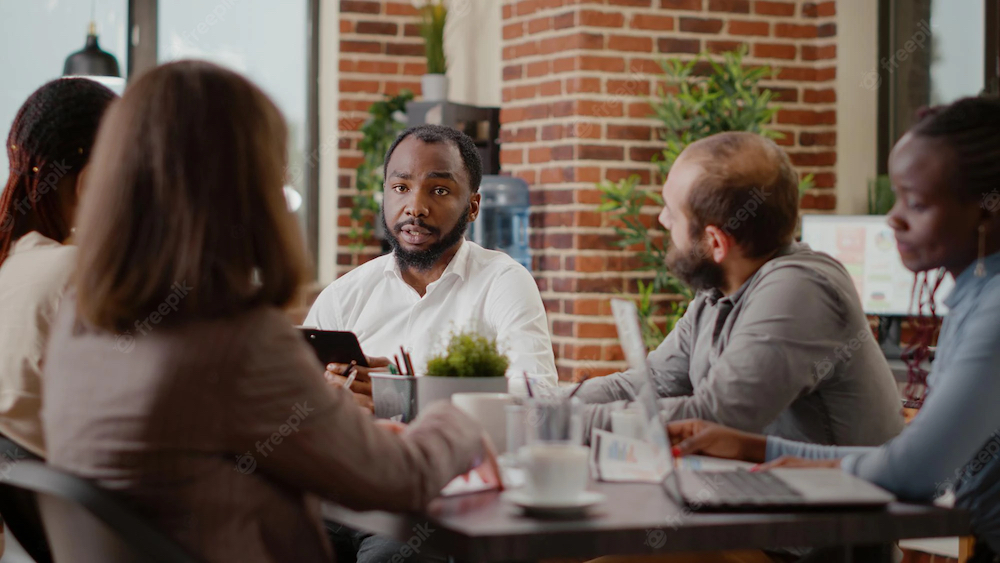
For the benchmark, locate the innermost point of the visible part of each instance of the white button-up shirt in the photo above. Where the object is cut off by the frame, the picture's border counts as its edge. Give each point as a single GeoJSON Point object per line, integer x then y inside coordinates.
{"type": "Point", "coordinates": [480, 289]}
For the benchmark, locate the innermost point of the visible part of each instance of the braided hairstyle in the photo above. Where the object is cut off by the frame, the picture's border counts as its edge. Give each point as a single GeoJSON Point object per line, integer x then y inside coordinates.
{"type": "Point", "coordinates": [51, 138]}
{"type": "Point", "coordinates": [970, 127]}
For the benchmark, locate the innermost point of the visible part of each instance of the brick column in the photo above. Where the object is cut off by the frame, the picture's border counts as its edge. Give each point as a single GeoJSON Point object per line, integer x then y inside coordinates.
{"type": "Point", "coordinates": [381, 52]}
{"type": "Point", "coordinates": [576, 77]}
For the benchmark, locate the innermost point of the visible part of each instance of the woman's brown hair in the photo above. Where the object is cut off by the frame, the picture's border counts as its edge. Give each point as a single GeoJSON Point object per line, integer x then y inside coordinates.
{"type": "Point", "coordinates": [185, 193]}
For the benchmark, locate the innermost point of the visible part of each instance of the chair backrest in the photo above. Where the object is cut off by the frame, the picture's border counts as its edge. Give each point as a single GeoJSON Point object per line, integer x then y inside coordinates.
{"type": "Point", "coordinates": [20, 512]}
{"type": "Point", "coordinates": [85, 523]}
{"type": "Point", "coordinates": [19, 509]}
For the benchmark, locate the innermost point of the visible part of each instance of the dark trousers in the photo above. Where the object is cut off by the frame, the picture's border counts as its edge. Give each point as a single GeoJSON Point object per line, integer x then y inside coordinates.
{"type": "Point", "coordinates": [352, 546]}
{"type": "Point", "coordinates": [983, 553]}
{"type": "Point", "coordinates": [18, 508]}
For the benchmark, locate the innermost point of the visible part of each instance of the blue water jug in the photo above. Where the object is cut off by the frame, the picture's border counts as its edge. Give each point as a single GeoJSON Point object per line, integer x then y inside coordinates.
{"type": "Point", "coordinates": [503, 218]}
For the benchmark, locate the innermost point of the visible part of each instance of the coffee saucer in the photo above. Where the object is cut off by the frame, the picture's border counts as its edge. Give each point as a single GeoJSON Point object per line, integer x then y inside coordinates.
{"type": "Point", "coordinates": [532, 505]}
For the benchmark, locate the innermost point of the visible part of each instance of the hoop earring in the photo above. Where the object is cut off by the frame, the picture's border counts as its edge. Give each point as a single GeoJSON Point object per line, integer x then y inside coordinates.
{"type": "Point", "coordinates": [981, 262]}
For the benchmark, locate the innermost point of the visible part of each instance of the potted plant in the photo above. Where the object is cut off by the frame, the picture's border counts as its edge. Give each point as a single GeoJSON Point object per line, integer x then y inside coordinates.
{"type": "Point", "coordinates": [387, 118]}
{"type": "Point", "coordinates": [880, 195]}
{"type": "Point", "coordinates": [434, 84]}
{"type": "Point", "coordinates": [471, 363]}
{"type": "Point", "coordinates": [728, 96]}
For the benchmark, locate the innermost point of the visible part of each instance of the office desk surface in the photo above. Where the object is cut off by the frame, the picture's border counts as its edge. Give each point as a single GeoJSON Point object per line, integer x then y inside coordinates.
{"type": "Point", "coordinates": [638, 519]}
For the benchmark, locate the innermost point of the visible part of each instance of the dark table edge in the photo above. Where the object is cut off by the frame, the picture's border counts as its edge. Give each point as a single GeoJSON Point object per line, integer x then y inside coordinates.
{"type": "Point", "coordinates": [862, 528]}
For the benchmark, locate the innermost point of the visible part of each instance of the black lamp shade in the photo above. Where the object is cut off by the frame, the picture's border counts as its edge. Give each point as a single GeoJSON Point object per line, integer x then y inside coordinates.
{"type": "Point", "coordinates": [91, 61]}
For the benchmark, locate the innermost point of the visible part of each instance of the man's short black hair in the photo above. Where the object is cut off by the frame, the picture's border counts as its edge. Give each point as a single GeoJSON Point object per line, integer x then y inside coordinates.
{"type": "Point", "coordinates": [442, 134]}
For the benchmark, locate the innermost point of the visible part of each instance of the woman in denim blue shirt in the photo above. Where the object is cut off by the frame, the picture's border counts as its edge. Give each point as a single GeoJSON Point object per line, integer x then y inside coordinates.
{"type": "Point", "coordinates": [946, 175]}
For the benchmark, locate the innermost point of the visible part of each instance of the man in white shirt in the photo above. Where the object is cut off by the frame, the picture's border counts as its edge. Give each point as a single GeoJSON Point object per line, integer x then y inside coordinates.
{"type": "Point", "coordinates": [435, 282]}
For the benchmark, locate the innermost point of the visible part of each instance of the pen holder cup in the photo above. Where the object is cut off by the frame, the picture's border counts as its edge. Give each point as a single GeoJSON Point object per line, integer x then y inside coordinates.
{"type": "Point", "coordinates": [395, 396]}
{"type": "Point", "coordinates": [553, 420]}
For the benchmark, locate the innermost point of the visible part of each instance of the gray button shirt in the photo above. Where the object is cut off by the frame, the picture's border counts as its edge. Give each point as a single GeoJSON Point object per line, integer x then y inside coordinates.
{"type": "Point", "coordinates": [789, 354]}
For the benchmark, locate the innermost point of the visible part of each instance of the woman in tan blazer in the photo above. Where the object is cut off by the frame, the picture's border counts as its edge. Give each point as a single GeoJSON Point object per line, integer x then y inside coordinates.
{"type": "Point", "coordinates": [48, 146]}
{"type": "Point", "coordinates": [173, 375]}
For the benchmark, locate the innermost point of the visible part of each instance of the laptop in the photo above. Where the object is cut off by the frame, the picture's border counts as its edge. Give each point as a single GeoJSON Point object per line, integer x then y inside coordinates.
{"type": "Point", "coordinates": [739, 489]}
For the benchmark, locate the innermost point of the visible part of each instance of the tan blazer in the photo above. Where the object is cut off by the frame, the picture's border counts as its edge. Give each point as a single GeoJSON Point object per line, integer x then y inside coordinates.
{"type": "Point", "coordinates": [218, 431]}
{"type": "Point", "coordinates": [33, 279]}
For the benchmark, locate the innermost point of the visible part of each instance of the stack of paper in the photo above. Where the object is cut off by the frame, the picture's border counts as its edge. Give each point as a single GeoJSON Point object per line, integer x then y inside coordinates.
{"type": "Point", "coordinates": [619, 458]}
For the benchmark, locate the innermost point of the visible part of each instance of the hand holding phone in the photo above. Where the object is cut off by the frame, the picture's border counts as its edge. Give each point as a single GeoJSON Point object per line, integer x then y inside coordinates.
{"type": "Point", "coordinates": [335, 347]}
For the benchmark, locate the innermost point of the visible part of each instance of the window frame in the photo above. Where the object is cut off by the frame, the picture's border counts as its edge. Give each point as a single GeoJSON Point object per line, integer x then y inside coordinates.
{"type": "Point", "coordinates": [887, 95]}
{"type": "Point", "coordinates": [142, 55]}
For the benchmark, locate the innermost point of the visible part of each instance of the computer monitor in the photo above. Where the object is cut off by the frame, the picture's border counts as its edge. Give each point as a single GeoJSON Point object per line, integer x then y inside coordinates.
{"type": "Point", "coordinates": [866, 246]}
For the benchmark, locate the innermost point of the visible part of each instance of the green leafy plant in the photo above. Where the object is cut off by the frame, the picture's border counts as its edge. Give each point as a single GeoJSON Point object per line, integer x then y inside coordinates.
{"type": "Point", "coordinates": [469, 355]}
{"type": "Point", "coordinates": [880, 196]}
{"type": "Point", "coordinates": [387, 118]}
{"type": "Point", "coordinates": [625, 200]}
{"type": "Point", "coordinates": [433, 16]}
{"type": "Point", "coordinates": [728, 98]}
{"type": "Point", "coordinates": [652, 335]}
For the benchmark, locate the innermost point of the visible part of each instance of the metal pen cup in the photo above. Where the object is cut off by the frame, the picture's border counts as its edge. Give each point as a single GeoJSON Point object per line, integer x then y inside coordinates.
{"type": "Point", "coordinates": [553, 419]}
{"type": "Point", "coordinates": [394, 396]}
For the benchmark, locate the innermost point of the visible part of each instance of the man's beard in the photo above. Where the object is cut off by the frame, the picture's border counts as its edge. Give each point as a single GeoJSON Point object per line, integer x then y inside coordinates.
{"type": "Point", "coordinates": [695, 268]}
{"type": "Point", "coordinates": [423, 260]}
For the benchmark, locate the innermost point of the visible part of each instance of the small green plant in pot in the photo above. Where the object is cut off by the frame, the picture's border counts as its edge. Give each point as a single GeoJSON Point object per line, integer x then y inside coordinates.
{"type": "Point", "coordinates": [434, 84]}
{"type": "Point", "coordinates": [471, 363]}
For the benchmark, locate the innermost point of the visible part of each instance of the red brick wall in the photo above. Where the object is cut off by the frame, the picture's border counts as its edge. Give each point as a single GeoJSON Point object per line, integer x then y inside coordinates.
{"type": "Point", "coordinates": [381, 52]}
{"type": "Point", "coordinates": [576, 74]}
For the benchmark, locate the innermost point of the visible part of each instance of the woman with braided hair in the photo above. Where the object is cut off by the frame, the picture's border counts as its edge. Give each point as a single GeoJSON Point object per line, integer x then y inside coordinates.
{"type": "Point", "coordinates": [48, 146]}
{"type": "Point", "coordinates": [946, 175]}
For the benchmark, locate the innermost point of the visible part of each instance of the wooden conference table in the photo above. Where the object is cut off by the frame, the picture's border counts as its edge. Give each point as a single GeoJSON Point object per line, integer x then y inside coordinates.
{"type": "Point", "coordinates": [638, 519]}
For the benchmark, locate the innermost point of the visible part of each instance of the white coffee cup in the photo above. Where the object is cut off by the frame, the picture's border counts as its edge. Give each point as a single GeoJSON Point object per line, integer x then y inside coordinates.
{"type": "Point", "coordinates": [630, 423]}
{"type": "Point", "coordinates": [488, 410]}
{"type": "Point", "coordinates": [555, 472]}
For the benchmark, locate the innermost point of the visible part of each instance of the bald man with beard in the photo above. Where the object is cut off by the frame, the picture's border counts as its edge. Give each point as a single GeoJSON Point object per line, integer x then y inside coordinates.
{"type": "Point", "coordinates": [775, 340]}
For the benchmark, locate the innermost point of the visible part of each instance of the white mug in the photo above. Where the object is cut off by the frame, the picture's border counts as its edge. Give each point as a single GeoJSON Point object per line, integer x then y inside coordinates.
{"type": "Point", "coordinates": [555, 472]}
{"type": "Point", "coordinates": [488, 410]}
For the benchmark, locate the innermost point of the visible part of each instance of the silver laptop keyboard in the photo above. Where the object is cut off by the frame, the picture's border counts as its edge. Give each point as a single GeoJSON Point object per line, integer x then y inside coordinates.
{"type": "Point", "coordinates": [742, 487]}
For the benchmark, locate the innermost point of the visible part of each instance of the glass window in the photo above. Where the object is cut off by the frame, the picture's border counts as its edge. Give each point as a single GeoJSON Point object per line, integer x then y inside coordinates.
{"type": "Point", "coordinates": [934, 53]}
{"type": "Point", "coordinates": [266, 41]}
{"type": "Point", "coordinates": [959, 53]}
{"type": "Point", "coordinates": [38, 36]}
